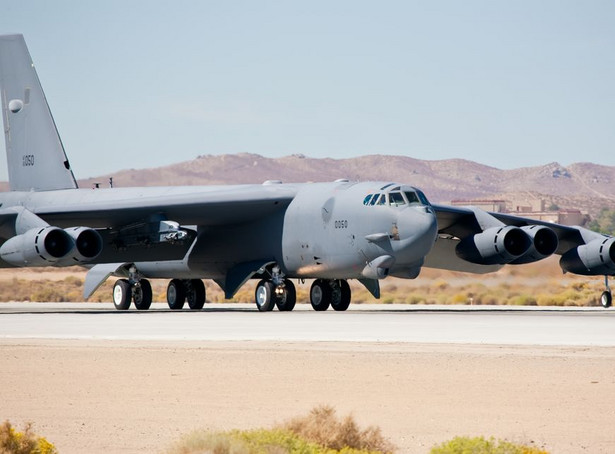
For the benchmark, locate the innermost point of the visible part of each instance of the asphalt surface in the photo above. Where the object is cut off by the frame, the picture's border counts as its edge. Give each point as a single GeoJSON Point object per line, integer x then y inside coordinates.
{"type": "Point", "coordinates": [362, 323]}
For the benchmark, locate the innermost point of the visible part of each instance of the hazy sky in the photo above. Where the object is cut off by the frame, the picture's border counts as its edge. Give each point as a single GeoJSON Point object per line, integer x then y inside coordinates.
{"type": "Point", "coordinates": [137, 84]}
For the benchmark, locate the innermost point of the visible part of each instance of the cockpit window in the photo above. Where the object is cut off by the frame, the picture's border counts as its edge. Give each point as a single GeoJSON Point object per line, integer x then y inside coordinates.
{"type": "Point", "coordinates": [423, 198]}
{"type": "Point", "coordinates": [398, 196]}
{"type": "Point", "coordinates": [413, 198]}
{"type": "Point", "coordinates": [396, 199]}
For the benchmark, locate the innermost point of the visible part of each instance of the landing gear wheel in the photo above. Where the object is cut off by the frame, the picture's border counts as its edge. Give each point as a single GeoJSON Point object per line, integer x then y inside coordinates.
{"type": "Point", "coordinates": [195, 294]}
{"type": "Point", "coordinates": [142, 295]}
{"type": "Point", "coordinates": [264, 296]}
{"type": "Point", "coordinates": [341, 299]}
{"type": "Point", "coordinates": [606, 299]}
{"type": "Point", "coordinates": [176, 295]}
{"type": "Point", "coordinates": [320, 295]}
{"type": "Point", "coordinates": [122, 294]}
{"type": "Point", "coordinates": [285, 301]}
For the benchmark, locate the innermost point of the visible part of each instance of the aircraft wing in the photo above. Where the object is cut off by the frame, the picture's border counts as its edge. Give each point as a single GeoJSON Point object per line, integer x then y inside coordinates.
{"type": "Point", "coordinates": [152, 223]}
{"type": "Point", "coordinates": [202, 206]}
{"type": "Point", "coordinates": [457, 223]}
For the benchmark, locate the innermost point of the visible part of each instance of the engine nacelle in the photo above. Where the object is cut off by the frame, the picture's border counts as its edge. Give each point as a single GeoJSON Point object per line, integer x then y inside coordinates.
{"type": "Point", "coordinates": [494, 246]}
{"type": "Point", "coordinates": [592, 259]}
{"type": "Point", "coordinates": [37, 247]}
{"type": "Point", "coordinates": [88, 244]}
{"type": "Point", "coordinates": [544, 243]}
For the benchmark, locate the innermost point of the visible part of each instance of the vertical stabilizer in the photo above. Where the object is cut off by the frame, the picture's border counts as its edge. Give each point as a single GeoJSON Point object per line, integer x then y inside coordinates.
{"type": "Point", "coordinates": [35, 154]}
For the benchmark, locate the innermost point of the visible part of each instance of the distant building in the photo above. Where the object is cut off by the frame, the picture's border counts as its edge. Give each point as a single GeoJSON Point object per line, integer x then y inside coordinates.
{"type": "Point", "coordinates": [495, 206]}
{"type": "Point", "coordinates": [532, 209]}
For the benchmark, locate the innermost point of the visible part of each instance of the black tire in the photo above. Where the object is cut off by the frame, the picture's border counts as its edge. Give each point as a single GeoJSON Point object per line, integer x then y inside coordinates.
{"type": "Point", "coordinates": [142, 296]}
{"type": "Point", "coordinates": [122, 294]}
{"type": "Point", "coordinates": [606, 299]}
{"type": "Point", "coordinates": [287, 299]}
{"type": "Point", "coordinates": [176, 294]}
{"type": "Point", "coordinates": [195, 294]}
{"type": "Point", "coordinates": [320, 295]}
{"type": "Point", "coordinates": [342, 301]}
{"type": "Point", "coordinates": [264, 296]}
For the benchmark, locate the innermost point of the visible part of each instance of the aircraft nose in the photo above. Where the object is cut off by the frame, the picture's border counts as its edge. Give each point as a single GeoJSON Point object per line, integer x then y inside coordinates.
{"type": "Point", "coordinates": [417, 228]}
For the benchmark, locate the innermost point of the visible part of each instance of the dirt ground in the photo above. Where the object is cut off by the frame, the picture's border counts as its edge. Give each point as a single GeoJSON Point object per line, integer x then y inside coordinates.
{"type": "Point", "coordinates": [119, 397]}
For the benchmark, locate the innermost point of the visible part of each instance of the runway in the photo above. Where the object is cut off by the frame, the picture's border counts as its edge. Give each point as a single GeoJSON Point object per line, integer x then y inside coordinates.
{"type": "Point", "coordinates": [363, 323]}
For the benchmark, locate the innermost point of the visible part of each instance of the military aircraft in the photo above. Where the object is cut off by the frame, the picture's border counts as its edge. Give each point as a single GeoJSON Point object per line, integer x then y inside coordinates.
{"type": "Point", "coordinates": [330, 232]}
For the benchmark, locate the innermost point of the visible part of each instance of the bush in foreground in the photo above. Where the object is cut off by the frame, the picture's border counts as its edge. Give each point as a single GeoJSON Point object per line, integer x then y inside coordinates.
{"type": "Point", "coordinates": [481, 445]}
{"type": "Point", "coordinates": [320, 432]}
{"type": "Point", "coordinates": [322, 426]}
{"type": "Point", "coordinates": [26, 442]}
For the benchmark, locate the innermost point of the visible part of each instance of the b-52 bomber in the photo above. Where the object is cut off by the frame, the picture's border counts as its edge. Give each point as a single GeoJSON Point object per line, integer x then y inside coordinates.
{"type": "Point", "coordinates": [330, 232]}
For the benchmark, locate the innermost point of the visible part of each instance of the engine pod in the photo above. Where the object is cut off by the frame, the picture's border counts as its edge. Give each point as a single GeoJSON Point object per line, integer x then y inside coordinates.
{"type": "Point", "coordinates": [494, 246]}
{"type": "Point", "coordinates": [37, 247]}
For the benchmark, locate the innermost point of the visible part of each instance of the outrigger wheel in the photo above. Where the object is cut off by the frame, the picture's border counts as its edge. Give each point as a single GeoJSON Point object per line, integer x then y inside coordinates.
{"type": "Point", "coordinates": [606, 299]}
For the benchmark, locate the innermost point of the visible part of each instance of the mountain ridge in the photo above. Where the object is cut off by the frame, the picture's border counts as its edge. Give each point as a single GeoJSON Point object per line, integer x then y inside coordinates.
{"type": "Point", "coordinates": [585, 186]}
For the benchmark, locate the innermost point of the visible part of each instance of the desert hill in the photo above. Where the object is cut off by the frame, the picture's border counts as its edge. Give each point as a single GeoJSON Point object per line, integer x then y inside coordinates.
{"type": "Point", "coordinates": [584, 186]}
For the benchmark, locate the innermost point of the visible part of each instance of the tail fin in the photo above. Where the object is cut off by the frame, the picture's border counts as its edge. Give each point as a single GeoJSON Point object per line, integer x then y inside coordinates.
{"type": "Point", "coordinates": [35, 154]}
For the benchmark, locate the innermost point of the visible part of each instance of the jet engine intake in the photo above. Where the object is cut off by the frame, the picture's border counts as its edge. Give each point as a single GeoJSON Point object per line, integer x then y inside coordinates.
{"type": "Point", "coordinates": [595, 258]}
{"type": "Point", "coordinates": [88, 243]}
{"type": "Point", "coordinates": [544, 243]}
{"type": "Point", "coordinates": [494, 246]}
{"type": "Point", "coordinates": [37, 247]}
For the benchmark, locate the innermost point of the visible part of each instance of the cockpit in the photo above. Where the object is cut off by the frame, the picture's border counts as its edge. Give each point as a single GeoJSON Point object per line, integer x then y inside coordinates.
{"type": "Point", "coordinates": [398, 196]}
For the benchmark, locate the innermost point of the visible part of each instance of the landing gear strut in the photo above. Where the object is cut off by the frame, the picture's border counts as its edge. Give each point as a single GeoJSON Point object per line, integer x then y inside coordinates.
{"type": "Point", "coordinates": [276, 291]}
{"type": "Point", "coordinates": [268, 295]}
{"type": "Point", "coordinates": [135, 288]}
{"type": "Point", "coordinates": [606, 299]}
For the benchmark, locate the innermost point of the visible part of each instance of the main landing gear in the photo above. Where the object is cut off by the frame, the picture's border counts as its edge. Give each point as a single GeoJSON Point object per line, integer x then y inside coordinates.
{"type": "Point", "coordinates": [334, 293]}
{"type": "Point", "coordinates": [181, 290]}
{"type": "Point", "coordinates": [268, 295]}
{"type": "Point", "coordinates": [135, 288]}
{"type": "Point", "coordinates": [606, 299]}
{"type": "Point", "coordinates": [126, 290]}
{"type": "Point", "coordinates": [139, 290]}
{"type": "Point", "coordinates": [323, 294]}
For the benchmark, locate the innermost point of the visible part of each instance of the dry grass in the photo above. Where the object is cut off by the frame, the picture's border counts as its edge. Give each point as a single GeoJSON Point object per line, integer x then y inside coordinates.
{"type": "Point", "coordinates": [538, 284]}
{"type": "Point", "coordinates": [320, 432]}
{"type": "Point", "coordinates": [324, 428]}
{"type": "Point", "coordinates": [25, 442]}
{"type": "Point", "coordinates": [481, 445]}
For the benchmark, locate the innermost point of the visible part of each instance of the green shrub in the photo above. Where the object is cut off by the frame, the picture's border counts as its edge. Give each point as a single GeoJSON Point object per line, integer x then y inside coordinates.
{"type": "Point", "coordinates": [481, 445]}
{"type": "Point", "coordinates": [276, 441]}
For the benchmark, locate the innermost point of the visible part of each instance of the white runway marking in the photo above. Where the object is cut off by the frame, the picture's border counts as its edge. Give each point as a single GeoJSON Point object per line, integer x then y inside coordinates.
{"type": "Point", "coordinates": [365, 323]}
